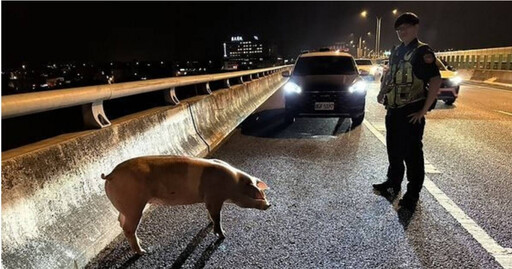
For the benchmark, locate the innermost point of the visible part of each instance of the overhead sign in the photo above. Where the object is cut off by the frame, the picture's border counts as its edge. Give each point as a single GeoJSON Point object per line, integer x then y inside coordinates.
{"type": "Point", "coordinates": [237, 38]}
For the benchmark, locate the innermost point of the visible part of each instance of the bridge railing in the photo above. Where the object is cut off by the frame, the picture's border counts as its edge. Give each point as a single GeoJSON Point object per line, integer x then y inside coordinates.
{"type": "Point", "coordinates": [91, 97]}
{"type": "Point", "coordinates": [483, 59]}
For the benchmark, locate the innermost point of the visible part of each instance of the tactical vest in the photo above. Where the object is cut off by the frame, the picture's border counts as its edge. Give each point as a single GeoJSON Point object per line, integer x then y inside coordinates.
{"type": "Point", "coordinates": [403, 86]}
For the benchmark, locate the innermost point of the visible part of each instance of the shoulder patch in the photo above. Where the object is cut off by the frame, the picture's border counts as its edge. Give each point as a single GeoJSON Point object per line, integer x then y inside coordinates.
{"type": "Point", "coordinates": [428, 58]}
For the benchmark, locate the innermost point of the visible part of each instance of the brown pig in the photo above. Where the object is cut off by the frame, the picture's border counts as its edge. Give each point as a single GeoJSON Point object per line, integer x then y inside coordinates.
{"type": "Point", "coordinates": [176, 180]}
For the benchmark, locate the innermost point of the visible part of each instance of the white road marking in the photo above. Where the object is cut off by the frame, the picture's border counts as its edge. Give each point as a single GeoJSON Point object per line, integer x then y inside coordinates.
{"type": "Point", "coordinates": [502, 255]}
{"type": "Point", "coordinates": [430, 168]}
{"type": "Point", "coordinates": [504, 112]}
{"type": "Point", "coordinates": [381, 127]}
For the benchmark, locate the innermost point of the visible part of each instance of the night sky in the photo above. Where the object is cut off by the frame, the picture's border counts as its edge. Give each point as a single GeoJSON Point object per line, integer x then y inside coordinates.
{"type": "Point", "coordinates": [124, 31]}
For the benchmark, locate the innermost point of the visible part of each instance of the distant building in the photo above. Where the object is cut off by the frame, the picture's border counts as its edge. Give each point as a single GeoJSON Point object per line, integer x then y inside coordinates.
{"type": "Point", "coordinates": [241, 53]}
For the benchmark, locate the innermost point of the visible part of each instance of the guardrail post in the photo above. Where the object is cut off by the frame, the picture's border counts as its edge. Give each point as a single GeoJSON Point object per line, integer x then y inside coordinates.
{"type": "Point", "coordinates": [94, 116]}
{"type": "Point", "coordinates": [170, 96]}
{"type": "Point", "coordinates": [203, 88]}
{"type": "Point", "coordinates": [241, 80]}
{"type": "Point", "coordinates": [226, 83]}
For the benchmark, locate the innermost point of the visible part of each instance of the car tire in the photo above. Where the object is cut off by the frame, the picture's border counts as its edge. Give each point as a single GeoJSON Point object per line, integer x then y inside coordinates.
{"type": "Point", "coordinates": [356, 121]}
{"type": "Point", "coordinates": [449, 102]}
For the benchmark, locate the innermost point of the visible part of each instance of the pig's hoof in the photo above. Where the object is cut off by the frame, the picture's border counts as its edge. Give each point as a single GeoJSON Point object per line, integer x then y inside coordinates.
{"type": "Point", "coordinates": [141, 252]}
{"type": "Point", "coordinates": [220, 235]}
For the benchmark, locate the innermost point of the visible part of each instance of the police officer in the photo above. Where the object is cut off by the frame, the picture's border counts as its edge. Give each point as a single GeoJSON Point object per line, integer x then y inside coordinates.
{"type": "Point", "coordinates": [408, 90]}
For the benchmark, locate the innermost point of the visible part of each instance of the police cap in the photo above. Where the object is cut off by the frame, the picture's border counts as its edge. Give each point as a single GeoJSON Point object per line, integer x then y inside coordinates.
{"type": "Point", "coordinates": [407, 18]}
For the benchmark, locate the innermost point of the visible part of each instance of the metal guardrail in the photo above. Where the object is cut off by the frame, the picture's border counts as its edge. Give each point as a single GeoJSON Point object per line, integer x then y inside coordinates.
{"type": "Point", "coordinates": [92, 97]}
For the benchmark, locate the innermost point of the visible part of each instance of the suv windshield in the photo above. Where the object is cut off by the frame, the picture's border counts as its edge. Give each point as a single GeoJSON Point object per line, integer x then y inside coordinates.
{"type": "Point", "coordinates": [324, 65]}
{"type": "Point", "coordinates": [364, 62]}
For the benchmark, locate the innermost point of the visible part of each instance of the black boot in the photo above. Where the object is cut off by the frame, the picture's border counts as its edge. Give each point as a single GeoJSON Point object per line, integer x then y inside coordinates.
{"type": "Point", "coordinates": [409, 201]}
{"type": "Point", "coordinates": [388, 188]}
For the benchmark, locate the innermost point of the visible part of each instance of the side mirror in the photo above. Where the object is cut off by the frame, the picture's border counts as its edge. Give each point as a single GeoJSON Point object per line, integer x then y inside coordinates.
{"type": "Point", "coordinates": [286, 74]}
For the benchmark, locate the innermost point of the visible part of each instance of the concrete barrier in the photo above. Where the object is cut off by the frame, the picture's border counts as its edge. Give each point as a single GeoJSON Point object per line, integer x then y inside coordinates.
{"type": "Point", "coordinates": [213, 115]}
{"type": "Point", "coordinates": [54, 210]}
{"type": "Point", "coordinates": [493, 76]}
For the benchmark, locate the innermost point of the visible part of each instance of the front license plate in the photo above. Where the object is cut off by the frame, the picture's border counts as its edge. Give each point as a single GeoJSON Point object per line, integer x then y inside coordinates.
{"type": "Point", "coordinates": [324, 105]}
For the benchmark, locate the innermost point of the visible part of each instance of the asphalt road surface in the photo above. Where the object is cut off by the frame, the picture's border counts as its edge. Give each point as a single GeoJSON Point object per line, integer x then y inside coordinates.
{"type": "Point", "coordinates": [324, 212]}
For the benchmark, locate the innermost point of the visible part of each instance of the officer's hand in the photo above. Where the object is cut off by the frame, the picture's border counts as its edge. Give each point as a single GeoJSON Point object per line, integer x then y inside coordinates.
{"type": "Point", "coordinates": [380, 98]}
{"type": "Point", "coordinates": [417, 117]}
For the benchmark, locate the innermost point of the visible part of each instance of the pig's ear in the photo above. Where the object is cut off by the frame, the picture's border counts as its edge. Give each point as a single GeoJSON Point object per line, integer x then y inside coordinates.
{"type": "Point", "coordinates": [261, 185]}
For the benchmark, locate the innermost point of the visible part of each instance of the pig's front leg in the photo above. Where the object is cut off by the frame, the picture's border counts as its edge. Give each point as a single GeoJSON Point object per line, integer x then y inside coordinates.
{"type": "Point", "coordinates": [214, 209]}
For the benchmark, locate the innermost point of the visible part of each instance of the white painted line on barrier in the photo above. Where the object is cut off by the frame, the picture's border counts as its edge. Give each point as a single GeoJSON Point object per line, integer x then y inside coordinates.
{"type": "Point", "coordinates": [504, 112]}
{"type": "Point", "coordinates": [502, 255]}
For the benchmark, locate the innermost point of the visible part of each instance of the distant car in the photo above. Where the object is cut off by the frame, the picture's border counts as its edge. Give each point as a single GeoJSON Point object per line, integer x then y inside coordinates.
{"type": "Point", "coordinates": [367, 68]}
{"type": "Point", "coordinates": [325, 84]}
{"type": "Point", "coordinates": [381, 63]}
{"type": "Point", "coordinates": [449, 90]}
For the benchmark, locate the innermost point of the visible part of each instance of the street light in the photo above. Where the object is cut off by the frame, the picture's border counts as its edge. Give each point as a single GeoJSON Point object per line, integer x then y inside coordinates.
{"type": "Point", "coordinates": [378, 28]}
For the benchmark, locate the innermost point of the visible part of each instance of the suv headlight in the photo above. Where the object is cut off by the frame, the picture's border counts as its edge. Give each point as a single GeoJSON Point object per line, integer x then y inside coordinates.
{"type": "Point", "coordinates": [456, 80]}
{"type": "Point", "coordinates": [358, 86]}
{"type": "Point", "coordinates": [291, 87]}
{"type": "Point", "coordinates": [373, 69]}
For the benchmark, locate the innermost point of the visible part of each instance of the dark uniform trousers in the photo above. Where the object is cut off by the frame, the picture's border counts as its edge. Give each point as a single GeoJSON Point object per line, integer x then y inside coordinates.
{"type": "Point", "coordinates": [404, 145]}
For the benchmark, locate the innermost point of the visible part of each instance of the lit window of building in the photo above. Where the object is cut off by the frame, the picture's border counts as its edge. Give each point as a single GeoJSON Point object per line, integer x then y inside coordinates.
{"type": "Point", "coordinates": [247, 51]}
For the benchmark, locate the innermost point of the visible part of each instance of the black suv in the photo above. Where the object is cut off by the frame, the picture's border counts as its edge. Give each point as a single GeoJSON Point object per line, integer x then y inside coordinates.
{"type": "Point", "coordinates": [325, 84]}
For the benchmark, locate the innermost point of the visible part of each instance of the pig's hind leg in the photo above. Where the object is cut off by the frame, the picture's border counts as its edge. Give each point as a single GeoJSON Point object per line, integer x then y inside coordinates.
{"type": "Point", "coordinates": [129, 223]}
{"type": "Point", "coordinates": [214, 209]}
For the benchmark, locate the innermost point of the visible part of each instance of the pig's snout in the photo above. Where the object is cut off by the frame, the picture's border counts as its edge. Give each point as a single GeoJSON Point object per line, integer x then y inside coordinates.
{"type": "Point", "coordinates": [264, 205]}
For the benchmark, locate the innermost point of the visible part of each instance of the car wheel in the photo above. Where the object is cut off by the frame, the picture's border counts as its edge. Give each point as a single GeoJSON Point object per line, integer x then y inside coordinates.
{"type": "Point", "coordinates": [449, 102]}
{"type": "Point", "coordinates": [356, 121]}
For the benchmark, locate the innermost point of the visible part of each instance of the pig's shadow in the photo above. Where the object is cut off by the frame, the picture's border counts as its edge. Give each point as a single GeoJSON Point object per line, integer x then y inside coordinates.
{"type": "Point", "coordinates": [207, 253]}
{"type": "Point", "coordinates": [201, 262]}
{"type": "Point", "coordinates": [130, 261]}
